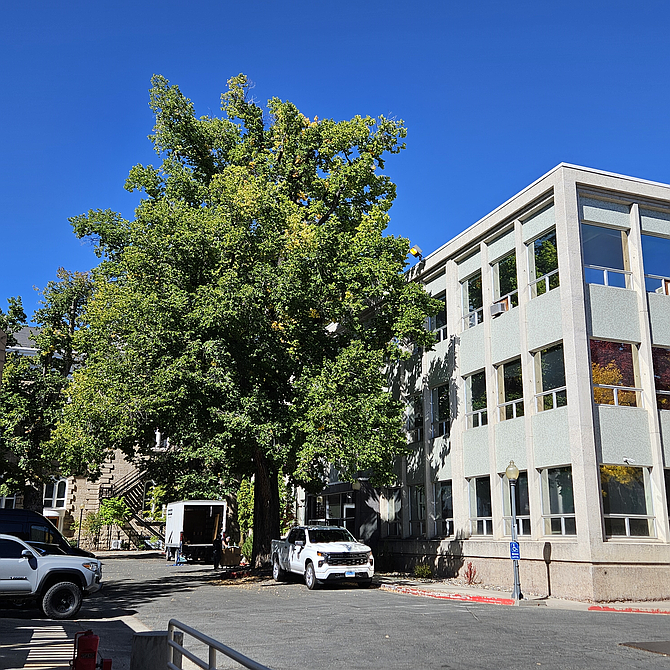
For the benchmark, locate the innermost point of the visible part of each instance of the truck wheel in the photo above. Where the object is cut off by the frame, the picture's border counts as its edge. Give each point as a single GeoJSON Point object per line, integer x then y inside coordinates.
{"type": "Point", "coordinates": [310, 577]}
{"type": "Point", "coordinates": [62, 600]}
{"type": "Point", "coordinates": [278, 574]}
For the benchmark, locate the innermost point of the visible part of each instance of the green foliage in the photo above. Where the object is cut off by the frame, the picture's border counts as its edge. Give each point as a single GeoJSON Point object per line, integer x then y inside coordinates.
{"type": "Point", "coordinates": [247, 310]}
{"type": "Point", "coordinates": [155, 499]}
{"type": "Point", "coordinates": [245, 506]}
{"type": "Point", "coordinates": [423, 571]}
{"type": "Point", "coordinates": [247, 548]}
{"type": "Point", "coordinates": [91, 525]}
{"type": "Point", "coordinates": [34, 389]}
{"type": "Point", "coordinates": [114, 511]}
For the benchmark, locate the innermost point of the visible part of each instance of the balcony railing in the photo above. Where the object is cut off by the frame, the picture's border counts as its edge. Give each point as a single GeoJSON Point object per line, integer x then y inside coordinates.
{"type": "Point", "coordinates": [522, 525]}
{"type": "Point", "coordinates": [440, 333]}
{"type": "Point", "coordinates": [623, 396]}
{"type": "Point", "coordinates": [444, 527]}
{"type": "Point", "coordinates": [482, 525]}
{"type": "Point", "coordinates": [477, 418]}
{"type": "Point", "coordinates": [441, 428]}
{"type": "Point", "coordinates": [511, 409]}
{"type": "Point", "coordinates": [551, 399]}
{"type": "Point", "coordinates": [629, 525]}
{"type": "Point", "coordinates": [657, 284]}
{"type": "Point", "coordinates": [471, 319]}
{"type": "Point", "coordinates": [544, 284]}
{"type": "Point", "coordinates": [559, 524]}
{"type": "Point", "coordinates": [597, 274]}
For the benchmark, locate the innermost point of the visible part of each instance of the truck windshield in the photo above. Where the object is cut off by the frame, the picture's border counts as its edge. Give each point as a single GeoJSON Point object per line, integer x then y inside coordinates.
{"type": "Point", "coordinates": [330, 535]}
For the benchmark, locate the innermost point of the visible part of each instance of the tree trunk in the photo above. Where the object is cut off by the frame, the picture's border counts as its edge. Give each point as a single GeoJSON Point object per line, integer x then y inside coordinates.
{"type": "Point", "coordinates": [266, 510]}
{"type": "Point", "coordinates": [32, 498]}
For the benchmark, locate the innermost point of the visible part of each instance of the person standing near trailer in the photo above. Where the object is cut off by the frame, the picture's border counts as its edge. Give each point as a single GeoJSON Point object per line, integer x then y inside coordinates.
{"type": "Point", "coordinates": [217, 550]}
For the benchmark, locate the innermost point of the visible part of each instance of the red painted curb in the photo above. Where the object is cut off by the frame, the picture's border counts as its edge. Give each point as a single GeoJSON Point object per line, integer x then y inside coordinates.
{"type": "Point", "coordinates": [447, 596]}
{"type": "Point", "coordinates": [632, 610]}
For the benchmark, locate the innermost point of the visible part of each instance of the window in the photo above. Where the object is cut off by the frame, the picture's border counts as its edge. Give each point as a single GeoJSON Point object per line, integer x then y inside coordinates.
{"type": "Point", "coordinates": [10, 549]}
{"type": "Point", "coordinates": [543, 262]}
{"type": "Point", "coordinates": [438, 322]}
{"type": "Point", "coordinates": [625, 490]}
{"type": "Point", "coordinates": [656, 256]}
{"type": "Point", "coordinates": [661, 359]}
{"type": "Point", "coordinates": [415, 419]}
{"type": "Point", "coordinates": [473, 302]}
{"type": "Point", "coordinates": [8, 502]}
{"type": "Point", "coordinates": [550, 389]}
{"type": "Point", "coordinates": [505, 287]}
{"type": "Point", "coordinates": [391, 513]}
{"type": "Point", "coordinates": [522, 505]}
{"type": "Point", "coordinates": [475, 400]}
{"type": "Point", "coordinates": [440, 411]}
{"type": "Point", "coordinates": [510, 390]}
{"type": "Point", "coordinates": [417, 510]}
{"type": "Point", "coordinates": [54, 493]}
{"type": "Point", "coordinates": [558, 505]}
{"type": "Point", "coordinates": [614, 373]}
{"type": "Point", "coordinates": [605, 256]}
{"type": "Point", "coordinates": [43, 533]}
{"type": "Point", "coordinates": [481, 521]}
{"type": "Point", "coordinates": [444, 509]}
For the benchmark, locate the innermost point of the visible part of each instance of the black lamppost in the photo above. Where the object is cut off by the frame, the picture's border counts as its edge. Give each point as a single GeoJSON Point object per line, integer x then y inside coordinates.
{"type": "Point", "coordinates": [512, 473]}
{"type": "Point", "coordinates": [81, 513]}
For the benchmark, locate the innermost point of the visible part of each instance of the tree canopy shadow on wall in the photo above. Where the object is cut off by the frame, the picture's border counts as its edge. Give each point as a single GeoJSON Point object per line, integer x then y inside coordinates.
{"type": "Point", "coordinates": [441, 371]}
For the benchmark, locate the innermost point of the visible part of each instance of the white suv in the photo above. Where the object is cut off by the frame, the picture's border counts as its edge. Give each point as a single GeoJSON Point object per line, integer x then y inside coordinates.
{"type": "Point", "coordinates": [57, 582]}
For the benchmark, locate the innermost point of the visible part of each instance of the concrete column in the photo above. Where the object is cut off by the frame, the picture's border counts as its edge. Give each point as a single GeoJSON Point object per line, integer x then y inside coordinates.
{"type": "Point", "coordinates": [585, 471]}
{"type": "Point", "coordinates": [646, 370]}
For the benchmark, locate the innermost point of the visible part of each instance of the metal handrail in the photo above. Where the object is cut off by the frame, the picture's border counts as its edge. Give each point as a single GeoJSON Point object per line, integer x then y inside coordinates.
{"type": "Point", "coordinates": [620, 389]}
{"type": "Point", "coordinates": [546, 279]}
{"type": "Point", "coordinates": [211, 643]}
{"type": "Point", "coordinates": [627, 274]}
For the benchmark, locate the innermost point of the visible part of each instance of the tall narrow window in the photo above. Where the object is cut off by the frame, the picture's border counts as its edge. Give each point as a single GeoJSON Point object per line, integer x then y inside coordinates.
{"type": "Point", "coordinates": [510, 390]}
{"type": "Point", "coordinates": [605, 256]}
{"type": "Point", "coordinates": [391, 513]}
{"type": "Point", "coordinates": [473, 310]}
{"type": "Point", "coordinates": [625, 491]}
{"type": "Point", "coordinates": [543, 264]}
{"type": "Point", "coordinates": [505, 287]}
{"type": "Point", "coordinates": [444, 509]}
{"type": "Point", "coordinates": [661, 359]}
{"type": "Point", "coordinates": [54, 493]}
{"type": "Point", "coordinates": [440, 410]}
{"type": "Point", "coordinates": [550, 389]}
{"type": "Point", "coordinates": [481, 519]}
{"type": "Point", "coordinates": [8, 502]}
{"type": "Point", "coordinates": [417, 510]}
{"type": "Point", "coordinates": [438, 322]}
{"type": "Point", "coordinates": [558, 504]}
{"type": "Point", "coordinates": [522, 505]}
{"type": "Point", "coordinates": [614, 373]}
{"type": "Point", "coordinates": [415, 419]}
{"type": "Point", "coordinates": [656, 256]}
{"type": "Point", "coordinates": [475, 400]}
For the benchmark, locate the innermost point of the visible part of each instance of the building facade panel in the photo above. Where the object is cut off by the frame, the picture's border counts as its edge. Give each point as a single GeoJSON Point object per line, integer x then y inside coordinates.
{"type": "Point", "coordinates": [659, 315]}
{"type": "Point", "coordinates": [613, 313]}
{"type": "Point", "coordinates": [551, 438]}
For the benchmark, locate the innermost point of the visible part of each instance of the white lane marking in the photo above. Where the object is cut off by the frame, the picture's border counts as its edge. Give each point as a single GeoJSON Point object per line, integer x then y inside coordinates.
{"type": "Point", "coordinates": [49, 648]}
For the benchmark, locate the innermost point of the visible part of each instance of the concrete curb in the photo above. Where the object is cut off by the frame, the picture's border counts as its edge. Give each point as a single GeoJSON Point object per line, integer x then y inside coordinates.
{"type": "Point", "coordinates": [412, 591]}
{"type": "Point", "coordinates": [627, 610]}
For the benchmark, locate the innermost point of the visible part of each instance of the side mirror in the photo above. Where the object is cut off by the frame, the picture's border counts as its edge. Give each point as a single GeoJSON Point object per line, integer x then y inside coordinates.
{"type": "Point", "coordinates": [299, 543]}
{"type": "Point", "coordinates": [26, 553]}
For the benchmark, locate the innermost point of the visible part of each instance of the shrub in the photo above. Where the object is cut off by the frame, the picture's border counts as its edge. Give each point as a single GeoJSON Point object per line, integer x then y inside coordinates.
{"type": "Point", "coordinates": [470, 574]}
{"type": "Point", "coordinates": [423, 571]}
{"type": "Point", "coordinates": [247, 548]}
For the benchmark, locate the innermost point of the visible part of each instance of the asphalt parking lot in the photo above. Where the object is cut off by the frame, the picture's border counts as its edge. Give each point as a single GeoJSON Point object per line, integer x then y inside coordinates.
{"type": "Point", "coordinates": [285, 626]}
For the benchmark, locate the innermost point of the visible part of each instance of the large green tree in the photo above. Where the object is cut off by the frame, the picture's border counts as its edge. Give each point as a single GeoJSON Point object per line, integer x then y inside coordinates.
{"type": "Point", "coordinates": [249, 308]}
{"type": "Point", "coordinates": [33, 388]}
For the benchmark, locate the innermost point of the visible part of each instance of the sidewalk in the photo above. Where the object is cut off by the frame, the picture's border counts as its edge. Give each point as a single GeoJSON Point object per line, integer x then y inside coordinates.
{"type": "Point", "coordinates": [477, 594]}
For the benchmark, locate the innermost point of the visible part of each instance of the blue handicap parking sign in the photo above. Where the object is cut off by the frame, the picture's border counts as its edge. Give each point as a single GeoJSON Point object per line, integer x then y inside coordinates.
{"type": "Point", "coordinates": [514, 551]}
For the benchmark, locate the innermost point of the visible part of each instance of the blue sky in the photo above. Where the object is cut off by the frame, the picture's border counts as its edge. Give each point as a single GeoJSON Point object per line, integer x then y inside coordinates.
{"type": "Point", "coordinates": [494, 94]}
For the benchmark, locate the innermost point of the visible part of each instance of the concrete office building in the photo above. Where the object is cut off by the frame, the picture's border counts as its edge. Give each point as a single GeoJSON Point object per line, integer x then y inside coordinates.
{"type": "Point", "coordinates": [554, 352]}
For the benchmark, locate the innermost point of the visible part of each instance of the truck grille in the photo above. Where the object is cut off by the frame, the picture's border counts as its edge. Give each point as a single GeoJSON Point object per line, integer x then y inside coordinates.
{"type": "Point", "coordinates": [360, 558]}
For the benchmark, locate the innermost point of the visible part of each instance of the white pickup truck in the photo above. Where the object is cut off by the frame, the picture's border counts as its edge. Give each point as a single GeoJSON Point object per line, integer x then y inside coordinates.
{"type": "Point", "coordinates": [322, 554]}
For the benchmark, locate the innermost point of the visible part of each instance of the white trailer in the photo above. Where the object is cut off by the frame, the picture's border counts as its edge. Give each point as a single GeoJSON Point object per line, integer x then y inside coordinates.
{"type": "Point", "coordinates": [191, 526]}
